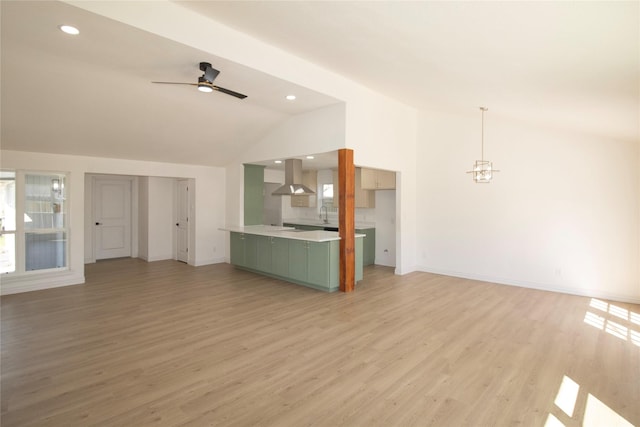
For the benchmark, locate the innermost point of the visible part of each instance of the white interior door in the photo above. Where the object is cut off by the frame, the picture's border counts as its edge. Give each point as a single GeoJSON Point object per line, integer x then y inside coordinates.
{"type": "Point", "coordinates": [112, 217]}
{"type": "Point", "coordinates": [183, 221]}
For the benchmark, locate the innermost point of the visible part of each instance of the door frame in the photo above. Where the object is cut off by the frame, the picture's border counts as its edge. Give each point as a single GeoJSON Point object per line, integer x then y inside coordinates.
{"type": "Point", "coordinates": [180, 182]}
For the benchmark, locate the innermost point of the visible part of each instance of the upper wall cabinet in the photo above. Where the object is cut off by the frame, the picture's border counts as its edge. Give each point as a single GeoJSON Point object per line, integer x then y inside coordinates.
{"type": "Point", "coordinates": [363, 198]}
{"type": "Point", "coordinates": [377, 179]}
{"type": "Point", "coordinates": [310, 179]}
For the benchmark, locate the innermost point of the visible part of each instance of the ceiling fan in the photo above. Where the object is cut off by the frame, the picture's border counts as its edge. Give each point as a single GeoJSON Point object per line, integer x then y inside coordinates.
{"type": "Point", "coordinates": [205, 82]}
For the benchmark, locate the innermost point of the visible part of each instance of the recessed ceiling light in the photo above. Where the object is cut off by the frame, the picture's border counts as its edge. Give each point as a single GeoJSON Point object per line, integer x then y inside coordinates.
{"type": "Point", "coordinates": [310, 157]}
{"type": "Point", "coordinates": [277, 162]}
{"type": "Point", "coordinates": [69, 29]}
{"type": "Point", "coordinates": [290, 97]}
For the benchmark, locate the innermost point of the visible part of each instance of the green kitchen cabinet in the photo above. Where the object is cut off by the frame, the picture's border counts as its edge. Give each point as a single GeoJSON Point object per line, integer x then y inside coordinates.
{"type": "Point", "coordinates": [323, 263]}
{"type": "Point", "coordinates": [264, 254]}
{"type": "Point", "coordinates": [305, 262]}
{"type": "Point", "coordinates": [369, 245]}
{"type": "Point", "coordinates": [317, 264]}
{"type": "Point", "coordinates": [244, 250]}
{"type": "Point", "coordinates": [237, 249]}
{"type": "Point", "coordinates": [298, 260]}
{"type": "Point", "coordinates": [272, 255]}
{"type": "Point", "coordinates": [280, 256]}
{"type": "Point", "coordinates": [359, 258]}
{"type": "Point", "coordinates": [251, 250]}
{"type": "Point", "coordinates": [253, 194]}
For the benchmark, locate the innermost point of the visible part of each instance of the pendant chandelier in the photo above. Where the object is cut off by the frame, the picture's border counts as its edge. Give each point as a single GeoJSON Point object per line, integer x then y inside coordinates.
{"type": "Point", "coordinates": [482, 169]}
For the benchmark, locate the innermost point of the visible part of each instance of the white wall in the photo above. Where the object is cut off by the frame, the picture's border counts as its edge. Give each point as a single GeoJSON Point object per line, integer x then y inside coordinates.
{"type": "Point", "coordinates": [383, 135]}
{"type": "Point", "coordinates": [207, 209]}
{"type": "Point", "coordinates": [561, 215]}
{"type": "Point", "coordinates": [162, 194]}
{"type": "Point", "coordinates": [318, 131]}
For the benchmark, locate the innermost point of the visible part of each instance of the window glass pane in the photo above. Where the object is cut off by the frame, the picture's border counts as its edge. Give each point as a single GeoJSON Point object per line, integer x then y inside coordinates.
{"type": "Point", "coordinates": [7, 253]}
{"type": "Point", "coordinates": [47, 250]}
{"type": "Point", "coordinates": [44, 202]}
{"type": "Point", "coordinates": [8, 201]}
{"type": "Point", "coordinates": [327, 191]}
{"type": "Point", "coordinates": [327, 196]}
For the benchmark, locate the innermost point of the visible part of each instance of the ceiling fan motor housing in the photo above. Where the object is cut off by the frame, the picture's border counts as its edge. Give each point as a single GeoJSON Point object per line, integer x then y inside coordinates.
{"type": "Point", "coordinates": [210, 73]}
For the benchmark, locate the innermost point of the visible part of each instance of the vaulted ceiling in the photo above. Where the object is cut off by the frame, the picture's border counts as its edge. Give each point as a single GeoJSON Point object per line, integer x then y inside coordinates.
{"type": "Point", "coordinates": [572, 65]}
{"type": "Point", "coordinates": [569, 65]}
{"type": "Point", "coordinates": [91, 94]}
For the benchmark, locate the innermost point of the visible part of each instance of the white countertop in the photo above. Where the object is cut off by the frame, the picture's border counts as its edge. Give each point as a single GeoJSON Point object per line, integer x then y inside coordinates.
{"type": "Point", "coordinates": [319, 223]}
{"type": "Point", "coordinates": [286, 232]}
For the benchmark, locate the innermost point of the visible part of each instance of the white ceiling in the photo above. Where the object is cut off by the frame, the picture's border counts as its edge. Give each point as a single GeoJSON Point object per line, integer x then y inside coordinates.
{"type": "Point", "coordinates": [572, 65]}
{"type": "Point", "coordinates": [92, 94]}
{"type": "Point", "coordinates": [569, 65]}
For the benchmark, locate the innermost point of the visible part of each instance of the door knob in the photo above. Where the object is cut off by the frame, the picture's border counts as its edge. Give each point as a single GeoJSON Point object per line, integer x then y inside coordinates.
{"type": "Point", "coordinates": [177, 224]}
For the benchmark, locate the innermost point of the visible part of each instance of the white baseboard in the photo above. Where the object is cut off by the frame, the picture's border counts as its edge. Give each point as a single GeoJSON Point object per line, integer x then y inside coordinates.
{"type": "Point", "coordinates": [158, 258]}
{"type": "Point", "coordinates": [217, 260]}
{"type": "Point", "coordinates": [37, 282]}
{"type": "Point", "coordinates": [633, 299]}
{"type": "Point", "coordinates": [402, 271]}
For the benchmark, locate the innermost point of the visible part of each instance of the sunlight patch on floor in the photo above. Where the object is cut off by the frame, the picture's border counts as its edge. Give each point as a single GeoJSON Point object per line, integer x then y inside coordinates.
{"type": "Point", "coordinates": [567, 395]}
{"type": "Point", "coordinates": [552, 421]}
{"type": "Point", "coordinates": [596, 413]}
{"type": "Point", "coordinates": [604, 322]}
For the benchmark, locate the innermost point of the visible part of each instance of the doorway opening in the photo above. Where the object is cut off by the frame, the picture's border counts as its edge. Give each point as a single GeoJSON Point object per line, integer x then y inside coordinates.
{"type": "Point", "coordinates": [138, 216]}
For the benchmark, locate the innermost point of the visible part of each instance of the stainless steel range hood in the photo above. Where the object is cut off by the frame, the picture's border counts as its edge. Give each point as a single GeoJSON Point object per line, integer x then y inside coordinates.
{"type": "Point", "coordinates": [293, 180]}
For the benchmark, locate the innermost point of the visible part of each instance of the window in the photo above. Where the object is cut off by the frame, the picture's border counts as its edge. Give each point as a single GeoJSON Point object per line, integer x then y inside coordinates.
{"type": "Point", "coordinates": [327, 195]}
{"type": "Point", "coordinates": [7, 222]}
{"type": "Point", "coordinates": [39, 241]}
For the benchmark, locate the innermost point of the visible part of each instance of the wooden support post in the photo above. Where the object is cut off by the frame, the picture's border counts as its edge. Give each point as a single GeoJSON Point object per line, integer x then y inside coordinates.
{"type": "Point", "coordinates": [346, 219]}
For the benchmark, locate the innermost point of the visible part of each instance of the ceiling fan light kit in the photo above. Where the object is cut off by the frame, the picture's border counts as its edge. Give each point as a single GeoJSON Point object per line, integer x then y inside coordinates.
{"type": "Point", "coordinates": [205, 82]}
{"type": "Point", "coordinates": [482, 169]}
{"type": "Point", "coordinates": [203, 86]}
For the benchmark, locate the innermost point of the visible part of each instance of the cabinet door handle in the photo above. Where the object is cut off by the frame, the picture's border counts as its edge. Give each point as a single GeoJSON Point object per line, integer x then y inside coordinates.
{"type": "Point", "coordinates": [98, 223]}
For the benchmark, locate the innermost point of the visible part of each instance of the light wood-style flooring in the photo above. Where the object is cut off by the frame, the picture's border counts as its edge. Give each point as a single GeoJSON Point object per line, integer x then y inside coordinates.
{"type": "Point", "coordinates": [167, 344]}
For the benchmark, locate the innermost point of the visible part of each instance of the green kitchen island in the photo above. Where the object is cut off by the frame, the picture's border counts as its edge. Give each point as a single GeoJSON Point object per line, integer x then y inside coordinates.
{"type": "Point", "coordinates": [309, 258]}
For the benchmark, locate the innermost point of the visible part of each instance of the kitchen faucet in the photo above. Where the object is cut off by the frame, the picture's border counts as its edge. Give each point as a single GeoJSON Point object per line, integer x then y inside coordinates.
{"type": "Point", "coordinates": [326, 214]}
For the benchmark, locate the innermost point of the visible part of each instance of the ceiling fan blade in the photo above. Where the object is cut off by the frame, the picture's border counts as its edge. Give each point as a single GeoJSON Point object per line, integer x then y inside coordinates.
{"type": "Point", "coordinates": [177, 83]}
{"type": "Point", "coordinates": [229, 92]}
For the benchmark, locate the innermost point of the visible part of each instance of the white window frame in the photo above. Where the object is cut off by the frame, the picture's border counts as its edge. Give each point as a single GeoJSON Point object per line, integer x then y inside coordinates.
{"type": "Point", "coordinates": [21, 232]}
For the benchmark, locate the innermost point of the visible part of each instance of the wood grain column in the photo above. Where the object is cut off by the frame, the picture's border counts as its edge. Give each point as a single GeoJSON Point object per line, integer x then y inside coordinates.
{"type": "Point", "coordinates": [346, 219]}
